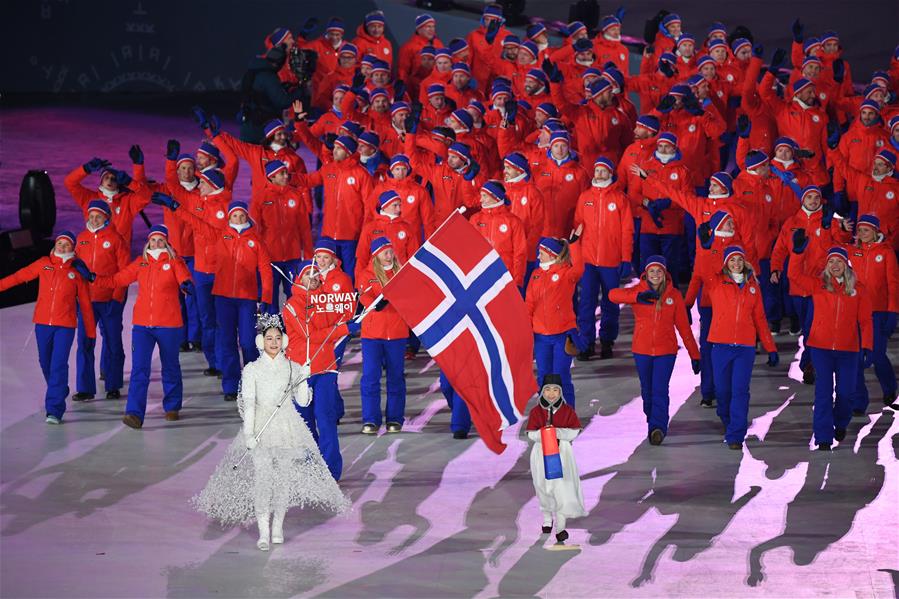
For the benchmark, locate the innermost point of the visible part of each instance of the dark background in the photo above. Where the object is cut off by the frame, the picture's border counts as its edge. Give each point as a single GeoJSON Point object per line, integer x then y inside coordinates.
{"type": "Point", "coordinates": [83, 47]}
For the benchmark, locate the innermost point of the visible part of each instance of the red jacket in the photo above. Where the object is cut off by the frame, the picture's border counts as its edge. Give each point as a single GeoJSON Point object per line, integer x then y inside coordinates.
{"type": "Point", "coordinates": [214, 205]}
{"type": "Point", "coordinates": [379, 47]}
{"type": "Point", "coordinates": [105, 253]}
{"type": "Point", "coordinates": [59, 287]}
{"type": "Point", "coordinates": [385, 324]}
{"type": "Point", "coordinates": [661, 179]}
{"type": "Point", "coordinates": [506, 234]}
{"type": "Point", "coordinates": [563, 183]}
{"type": "Point", "coordinates": [858, 146]}
{"type": "Point", "coordinates": [876, 267]}
{"type": "Point", "coordinates": [880, 198]}
{"type": "Point", "coordinates": [764, 125]}
{"type": "Point", "coordinates": [181, 236]}
{"type": "Point", "coordinates": [322, 329]}
{"type": "Point", "coordinates": [608, 235]}
{"type": "Point", "coordinates": [124, 205]}
{"type": "Point", "coordinates": [346, 187]}
{"type": "Point", "coordinates": [409, 60]}
{"type": "Point", "coordinates": [738, 316]}
{"type": "Point", "coordinates": [708, 263]}
{"type": "Point", "coordinates": [257, 156]}
{"type": "Point", "coordinates": [404, 238]}
{"type": "Point", "coordinates": [451, 190]}
{"type": "Point", "coordinates": [527, 203]}
{"type": "Point", "coordinates": [697, 139]}
{"type": "Point", "coordinates": [837, 316]}
{"type": "Point", "coordinates": [477, 41]}
{"type": "Point", "coordinates": [601, 131]}
{"type": "Point", "coordinates": [283, 222]}
{"type": "Point", "coordinates": [549, 294]}
{"type": "Point", "coordinates": [757, 195]}
{"type": "Point", "coordinates": [654, 324]}
{"type": "Point", "coordinates": [238, 258]}
{"type": "Point", "coordinates": [821, 239]}
{"type": "Point", "coordinates": [158, 290]}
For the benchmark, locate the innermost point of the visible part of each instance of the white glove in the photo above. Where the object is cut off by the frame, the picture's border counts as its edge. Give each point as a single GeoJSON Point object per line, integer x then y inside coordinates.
{"type": "Point", "coordinates": [534, 436]}
{"type": "Point", "coordinates": [566, 434]}
{"type": "Point", "coordinates": [251, 441]}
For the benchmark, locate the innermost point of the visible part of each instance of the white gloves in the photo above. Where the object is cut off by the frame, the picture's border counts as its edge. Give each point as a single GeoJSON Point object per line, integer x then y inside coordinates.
{"type": "Point", "coordinates": [566, 434]}
{"type": "Point", "coordinates": [251, 441]}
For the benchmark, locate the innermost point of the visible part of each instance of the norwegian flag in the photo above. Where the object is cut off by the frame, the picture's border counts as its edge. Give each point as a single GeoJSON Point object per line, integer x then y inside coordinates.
{"type": "Point", "coordinates": [459, 298]}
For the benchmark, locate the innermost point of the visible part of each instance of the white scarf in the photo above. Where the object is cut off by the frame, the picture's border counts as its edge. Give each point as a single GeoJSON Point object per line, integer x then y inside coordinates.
{"type": "Point", "coordinates": [718, 196]}
{"type": "Point", "coordinates": [546, 265]}
{"type": "Point", "coordinates": [786, 163]}
{"type": "Point", "coordinates": [724, 233]}
{"type": "Point", "coordinates": [801, 103]}
{"type": "Point", "coordinates": [601, 184]}
{"type": "Point", "coordinates": [585, 62]}
{"type": "Point", "coordinates": [276, 147]}
{"type": "Point", "coordinates": [664, 158]}
{"type": "Point", "coordinates": [738, 277]}
{"type": "Point", "coordinates": [388, 215]}
{"type": "Point", "coordinates": [517, 178]}
{"type": "Point", "coordinates": [388, 266]}
{"type": "Point", "coordinates": [156, 252]}
{"type": "Point", "coordinates": [612, 39]}
{"type": "Point", "coordinates": [840, 280]}
{"type": "Point", "coordinates": [880, 178]}
{"type": "Point", "coordinates": [808, 212]}
{"type": "Point", "coordinates": [107, 193]}
{"type": "Point", "coordinates": [492, 206]}
{"type": "Point", "coordinates": [215, 192]}
{"type": "Point", "coordinates": [189, 185]}
{"type": "Point", "coordinates": [324, 271]}
{"type": "Point", "coordinates": [93, 229]}
{"type": "Point", "coordinates": [364, 159]}
{"type": "Point", "coordinates": [240, 228]}
{"type": "Point", "coordinates": [64, 257]}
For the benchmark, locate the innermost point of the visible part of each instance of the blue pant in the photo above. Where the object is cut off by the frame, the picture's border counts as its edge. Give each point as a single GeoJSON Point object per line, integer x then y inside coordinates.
{"type": "Point", "coordinates": [830, 414]}
{"type": "Point", "coordinates": [668, 246]}
{"type": "Point", "coordinates": [53, 347]}
{"type": "Point", "coordinates": [203, 282]}
{"type": "Point", "coordinates": [143, 340]}
{"type": "Point", "coordinates": [109, 320]}
{"type": "Point", "coordinates": [883, 368]}
{"type": "Point", "coordinates": [236, 323]}
{"type": "Point", "coordinates": [549, 353]}
{"type": "Point", "coordinates": [289, 267]}
{"type": "Point", "coordinates": [346, 251]}
{"type": "Point", "coordinates": [529, 270]}
{"type": "Point", "coordinates": [733, 370]}
{"type": "Point", "coordinates": [689, 245]}
{"type": "Point", "coordinates": [655, 374]}
{"type": "Point", "coordinates": [447, 390]}
{"type": "Point", "coordinates": [769, 293]}
{"type": "Point", "coordinates": [706, 372]}
{"type": "Point", "coordinates": [801, 306]}
{"type": "Point", "coordinates": [378, 355]}
{"type": "Point", "coordinates": [190, 313]}
{"type": "Point", "coordinates": [594, 280]}
{"type": "Point", "coordinates": [321, 417]}
{"type": "Point", "coordinates": [460, 419]}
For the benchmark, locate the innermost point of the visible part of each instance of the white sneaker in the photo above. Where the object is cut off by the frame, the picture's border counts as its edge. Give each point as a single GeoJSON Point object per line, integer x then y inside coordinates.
{"type": "Point", "coordinates": [278, 529]}
{"type": "Point", "coordinates": [262, 545]}
{"type": "Point", "coordinates": [53, 420]}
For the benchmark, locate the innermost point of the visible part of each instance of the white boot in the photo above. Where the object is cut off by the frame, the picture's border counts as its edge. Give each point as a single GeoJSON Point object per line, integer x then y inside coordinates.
{"type": "Point", "coordinates": [278, 528]}
{"type": "Point", "coordinates": [263, 542]}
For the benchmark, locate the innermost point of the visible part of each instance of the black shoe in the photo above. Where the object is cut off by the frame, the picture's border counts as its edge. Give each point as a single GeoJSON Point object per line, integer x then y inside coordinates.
{"type": "Point", "coordinates": [197, 346]}
{"type": "Point", "coordinates": [735, 446]}
{"type": "Point", "coordinates": [707, 402]}
{"type": "Point", "coordinates": [605, 350]}
{"type": "Point", "coordinates": [889, 399]}
{"type": "Point", "coordinates": [102, 377]}
{"type": "Point", "coordinates": [823, 446]}
{"type": "Point", "coordinates": [656, 436]}
{"type": "Point", "coordinates": [460, 435]}
{"type": "Point", "coordinates": [587, 353]}
{"type": "Point", "coordinates": [774, 326]}
{"type": "Point", "coordinates": [858, 412]}
{"type": "Point", "coordinates": [114, 394]}
{"type": "Point", "coordinates": [795, 329]}
{"type": "Point", "coordinates": [230, 396]}
{"type": "Point", "coordinates": [808, 375]}
{"type": "Point", "coordinates": [185, 347]}
{"type": "Point", "coordinates": [82, 396]}
{"type": "Point", "coordinates": [547, 529]}
{"type": "Point", "coordinates": [839, 434]}
{"type": "Point", "coordinates": [212, 372]}
{"type": "Point", "coordinates": [561, 537]}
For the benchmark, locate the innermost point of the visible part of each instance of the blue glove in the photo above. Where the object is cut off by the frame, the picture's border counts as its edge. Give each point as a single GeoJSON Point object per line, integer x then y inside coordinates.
{"type": "Point", "coordinates": [82, 269]}
{"type": "Point", "coordinates": [473, 171]}
{"type": "Point", "coordinates": [161, 199]}
{"type": "Point", "coordinates": [777, 60]}
{"type": "Point", "coordinates": [647, 297]}
{"type": "Point", "coordinates": [187, 288]}
{"type": "Point", "coordinates": [95, 164]}
{"type": "Point", "coordinates": [773, 359]}
{"type": "Point", "coordinates": [358, 81]}
{"type": "Point", "coordinates": [826, 216]}
{"type": "Point", "coordinates": [214, 126]}
{"type": "Point", "coordinates": [200, 117]}
{"type": "Point", "coordinates": [800, 241]}
{"type": "Point", "coordinates": [267, 308]}
{"type": "Point", "coordinates": [308, 27]}
{"type": "Point", "coordinates": [122, 178]}
{"type": "Point", "coordinates": [399, 90]}
{"type": "Point", "coordinates": [798, 29]}
{"type": "Point", "coordinates": [624, 269]}
{"type": "Point", "coordinates": [511, 110]}
{"type": "Point", "coordinates": [172, 149]}
{"type": "Point", "coordinates": [839, 70]}
{"type": "Point", "coordinates": [492, 31]}
{"type": "Point", "coordinates": [833, 135]}
{"type": "Point", "coordinates": [692, 105]}
{"type": "Point", "coordinates": [758, 50]}
{"type": "Point", "coordinates": [666, 69]}
{"type": "Point", "coordinates": [696, 365]}
{"type": "Point", "coordinates": [666, 105]}
{"type": "Point", "coordinates": [381, 305]}
{"type": "Point", "coordinates": [867, 358]}
{"type": "Point", "coordinates": [744, 126]}
{"type": "Point", "coordinates": [889, 324]}
{"type": "Point", "coordinates": [840, 203]}
{"type": "Point", "coordinates": [329, 140]}
{"type": "Point", "coordinates": [619, 14]}
{"type": "Point", "coordinates": [136, 154]}
{"type": "Point", "coordinates": [704, 232]}
{"type": "Point", "coordinates": [353, 327]}
{"type": "Point", "coordinates": [550, 70]}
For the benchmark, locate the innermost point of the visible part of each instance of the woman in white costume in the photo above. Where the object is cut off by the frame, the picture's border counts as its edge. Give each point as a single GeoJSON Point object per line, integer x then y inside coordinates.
{"type": "Point", "coordinates": [286, 468]}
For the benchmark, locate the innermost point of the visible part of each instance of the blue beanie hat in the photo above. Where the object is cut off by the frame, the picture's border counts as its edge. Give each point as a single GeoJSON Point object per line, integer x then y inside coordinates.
{"type": "Point", "coordinates": [238, 205]}
{"type": "Point", "coordinates": [839, 252]}
{"type": "Point", "coordinates": [732, 250]}
{"type": "Point", "coordinates": [423, 19]}
{"type": "Point", "coordinates": [65, 235]}
{"type": "Point", "coordinates": [535, 30]}
{"type": "Point", "coordinates": [670, 19]}
{"type": "Point", "coordinates": [667, 137]}
{"type": "Point", "coordinates": [599, 86]}
{"type": "Point", "coordinates": [755, 158]}
{"type": "Point", "coordinates": [375, 17]}
{"type": "Point", "coordinates": [801, 84]}
{"type": "Point", "coordinates": [648, 121]}
{"type": "Point", "coordinates": [185, 158]}
{"type": "Point", "coordinates": [210, 150]}
{"type": "Point", "coordinates": [786, 141]}
{"type": "Point", "coordinates": [655, 260]}
{"type": "Point", "coordinates": [539, 76]}
{"type": "Point", "coordinates": [273, 127]}
{"type": "Point", "coordinates": [461, 67]}
{"type": "Point", "coordinates": [348, 48]}
{"type": "Point", "coordinates": [461, 150]}
{"type": "Point", "coordinates": [380, 244]}
{"type": "Point", "coordinates": [518, 161]}
{"type": "Point", "coordinates": [603, 161]}
{"type": "Point", "coordinates": [549, 109]}
{"type": "Point", "coordinates": [511, 40]}
{"type": "Point", "coordinates": [583, 45]}
{"type": "Point", "coordinates": [493, 10]}
{"type": "Point", "coordinates": [304, 266]}
{"type": "Point", "coordinates": [335, 24]}
{"type": "Point", "coordinates": [458, 45]}
{"type": "Point", "coordinates": [272, 167]}
{"type": "Point", "coordinates": [371, 138]}
{"type": "Point", "coordinates": [325, 244]}
{"type": "Point", "coordinates": [716, 27]}
{"type": "Point", "coordinates": [158, 230]}
{"type": "Point", "coordinates": [685, 37]}
{"type": "Point", "coordinates": [352, 127]}
{"type": "Point", "coordinates": [739, 43]}
{"type": "Point", "coordinates": [436, 89]}
{"type": "Point", "coordinates": [398, 106]}
{"type": "Point", "coordinates": [477, 106]}
{"type": "Point", "coordinates": [99, 205]}
{"type": "Point", "coordinates": [574, 27]}
{"type": "Point", "coordinates": [559, 135]}
{"type": "Point", "coordinates": [349, 144]}
{"type": "Point", "coordinates": [724, 179]}
{"type": "Point", "coordinates": [609, 22]}
{"type": "Point", "coordinates": [870, 220]}
{"type": "Point", "coordinates": [400, 159]}
{"type": "Point", "coordinates": [278, 35]}
{"type": "Point", "coordinates": [717, 218]}
{"type": "Point", "coordinates": [388, 197]}
{"type": "Point", "coordinates": [213, 177]}
{"type": "Point", "coordinates": [496, 189]}
{"type": "Point", "coordinates": [462, 117]}
{"type": "Point", "coordinates": [550, 245]}
{"type": "Point", "coordinates": [531, 47]}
